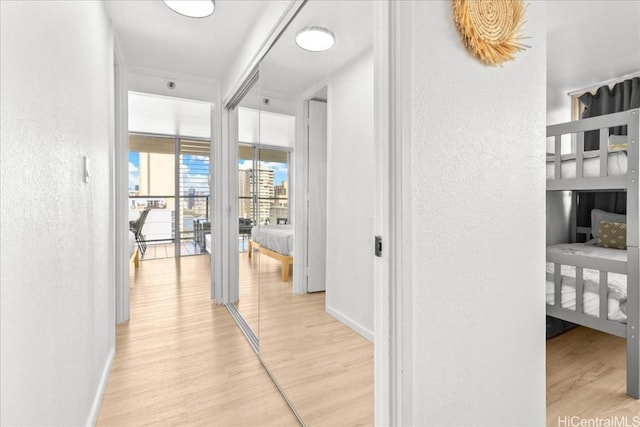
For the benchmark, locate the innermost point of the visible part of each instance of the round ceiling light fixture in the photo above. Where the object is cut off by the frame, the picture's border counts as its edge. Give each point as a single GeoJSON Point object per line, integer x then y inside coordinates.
{"type": "Point", "coordinates": [315, 39]}
{"type": "Point", "coordinates": [191, 8]}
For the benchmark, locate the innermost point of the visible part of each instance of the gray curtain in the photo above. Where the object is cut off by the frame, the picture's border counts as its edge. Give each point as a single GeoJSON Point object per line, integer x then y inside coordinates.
{"type": "Point", "coordinates": [622, 97]}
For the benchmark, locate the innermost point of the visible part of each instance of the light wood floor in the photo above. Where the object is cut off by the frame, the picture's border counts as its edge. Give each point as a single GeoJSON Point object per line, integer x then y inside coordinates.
{"type": "Point", "coordinates": [586, 377]}
{"type": "Point", "coordinates": [324, 367]}
{"type": "Point", "coordinates": [182, 361]}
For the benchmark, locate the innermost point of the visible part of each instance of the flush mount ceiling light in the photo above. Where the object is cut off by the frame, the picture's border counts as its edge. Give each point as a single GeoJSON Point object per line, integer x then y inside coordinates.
{"type": "Point", "coordinates": [315, 39]}
{"type": "Point", "coordinates": [191, 8]}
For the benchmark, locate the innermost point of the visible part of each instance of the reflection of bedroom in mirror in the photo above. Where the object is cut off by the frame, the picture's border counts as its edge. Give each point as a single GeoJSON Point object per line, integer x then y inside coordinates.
{"type": "Point", "coordinates": [264, 142]}
{"type": "Point", "coordinates": [306, 207]}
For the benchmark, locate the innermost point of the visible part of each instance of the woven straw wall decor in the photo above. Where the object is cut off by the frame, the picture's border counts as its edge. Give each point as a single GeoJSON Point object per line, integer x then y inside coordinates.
{"type": "Point", "coordinates": [490, 29]}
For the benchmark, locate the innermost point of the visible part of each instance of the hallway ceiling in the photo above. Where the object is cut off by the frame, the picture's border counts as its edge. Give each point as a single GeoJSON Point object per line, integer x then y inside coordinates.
{"type": "Point", "coordinates": [588, 41]}
{"type": "Point", "coordinates": [151, 36]}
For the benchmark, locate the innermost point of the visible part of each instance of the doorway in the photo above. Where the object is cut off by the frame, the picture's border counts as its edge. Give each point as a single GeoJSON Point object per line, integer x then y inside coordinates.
{"type": "Point", "coordinates": [169, 167]}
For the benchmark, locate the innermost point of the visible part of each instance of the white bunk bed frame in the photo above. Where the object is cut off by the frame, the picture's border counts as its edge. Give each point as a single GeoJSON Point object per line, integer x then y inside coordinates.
{"type": "Point", "coordinates": [629, 183]}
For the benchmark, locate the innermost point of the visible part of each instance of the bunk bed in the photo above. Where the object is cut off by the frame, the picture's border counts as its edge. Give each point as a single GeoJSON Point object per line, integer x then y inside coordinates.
{"type": "Point", "coordinates": [274, 241]}
{"type": "Point", "coordinates": [587, 284]}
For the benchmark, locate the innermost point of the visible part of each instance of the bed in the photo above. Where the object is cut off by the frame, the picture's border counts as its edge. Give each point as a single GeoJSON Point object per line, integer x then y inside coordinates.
{"type": "Point", "coordinates": [590, 304]}
{"type": "Point", "coordinates": [274, 241]}
{"type": "Point", "coordinates": [586, 283]}
{"type": "Point", "coordinates": [134, 253]}
{"type": "Point", "coordinates": [616, 165]}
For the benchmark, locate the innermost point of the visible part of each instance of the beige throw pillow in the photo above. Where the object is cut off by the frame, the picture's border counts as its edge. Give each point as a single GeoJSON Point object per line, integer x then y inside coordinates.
{"type": "Point", "coordinates": [612, 235]}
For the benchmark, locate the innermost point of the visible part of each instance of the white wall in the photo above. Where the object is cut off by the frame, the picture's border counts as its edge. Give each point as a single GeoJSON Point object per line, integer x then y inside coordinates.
{"type": "Point", "coordinates": [261, 30]}
{"type": "Point", "coordinates": [57, 268]}
{"type": "Point", "coordinates": [186, 87]}
{"type": "Point", "coordinates": [558, 106]}
{"type": "Point", "coordinates": [478, 215]}
{"type": "Point", "coordinates": [351, 195]}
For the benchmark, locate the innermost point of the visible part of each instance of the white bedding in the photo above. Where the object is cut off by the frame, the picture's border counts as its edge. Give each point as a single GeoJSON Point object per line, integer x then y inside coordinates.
{"type": "Point", "coordinates": [278, 238]}
{"type": "Point", "coordinates": [617, 165]}
{"type": "Point", "coordinates": [617, 282]}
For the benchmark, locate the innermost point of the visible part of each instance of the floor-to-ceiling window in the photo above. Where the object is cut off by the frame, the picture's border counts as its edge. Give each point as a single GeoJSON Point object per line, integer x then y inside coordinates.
{"type": "Point", "coordinates": [169, 161]}
{"type": "Point", "coordinates": [169, 177]}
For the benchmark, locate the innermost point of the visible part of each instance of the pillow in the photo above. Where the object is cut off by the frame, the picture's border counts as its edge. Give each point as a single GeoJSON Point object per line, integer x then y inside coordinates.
{"type": "Point", "coordinates": [612, 235]}
{"type": "Point", "coordinates": [618, 143]}
{"type": "Point", "coordinates": [598, 215]}
{"type": "Point", "coordinates": [592, 242]}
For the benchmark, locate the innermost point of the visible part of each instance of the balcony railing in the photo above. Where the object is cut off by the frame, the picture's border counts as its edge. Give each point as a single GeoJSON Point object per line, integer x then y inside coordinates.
{"type": "Point", "coordinates": [160, 225]}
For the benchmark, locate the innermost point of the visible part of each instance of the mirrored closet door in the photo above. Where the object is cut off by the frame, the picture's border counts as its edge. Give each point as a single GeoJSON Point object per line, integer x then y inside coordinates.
{"type": "Point", "coordinates": [316, 322]}
{"type": "Point", "coordinates": [247, 117]}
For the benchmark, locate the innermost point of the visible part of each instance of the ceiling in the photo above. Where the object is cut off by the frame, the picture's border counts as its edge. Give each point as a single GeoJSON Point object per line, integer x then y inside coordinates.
{"type": "Point", "coordinates": [589, 42]}
{"type": "Point", "coordinates": [152, 36]}
{"type": "Point", "coordinates": [287, 71]}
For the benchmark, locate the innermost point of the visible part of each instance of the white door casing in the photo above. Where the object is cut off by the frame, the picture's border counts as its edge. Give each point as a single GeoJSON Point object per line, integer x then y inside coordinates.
{"type": "Point", "coordinates": [316, 196]}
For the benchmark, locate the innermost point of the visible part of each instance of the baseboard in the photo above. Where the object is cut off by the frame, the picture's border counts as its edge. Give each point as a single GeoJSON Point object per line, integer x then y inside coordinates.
{"type": "Point", "coordinates": [102, 386]}
{"type": "Point", "coordinates": [367, 334]}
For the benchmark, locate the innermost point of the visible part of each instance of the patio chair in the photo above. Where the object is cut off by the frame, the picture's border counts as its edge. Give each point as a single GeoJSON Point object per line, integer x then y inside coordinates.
{"type": "Point", "coordinates": [136, 227]}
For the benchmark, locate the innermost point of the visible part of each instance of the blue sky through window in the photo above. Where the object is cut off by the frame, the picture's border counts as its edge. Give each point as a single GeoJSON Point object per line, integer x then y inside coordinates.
{"type": "Point", "coordinates": [134, 168]}
{"type": "Point", "coordinates": [281, 169]}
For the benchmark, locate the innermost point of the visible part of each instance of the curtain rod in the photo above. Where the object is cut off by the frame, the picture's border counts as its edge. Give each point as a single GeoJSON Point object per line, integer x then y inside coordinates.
{"type": "Point", "coordinates": [606, 82]}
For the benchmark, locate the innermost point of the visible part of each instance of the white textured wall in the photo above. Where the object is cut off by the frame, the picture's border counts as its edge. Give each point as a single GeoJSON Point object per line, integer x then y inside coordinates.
{"type": "Point", "coordinates": [478, 203]}
{"type": "Point", "coordinates": [351, 194]}
{"type": "Point", "coordinates": [57, 246]}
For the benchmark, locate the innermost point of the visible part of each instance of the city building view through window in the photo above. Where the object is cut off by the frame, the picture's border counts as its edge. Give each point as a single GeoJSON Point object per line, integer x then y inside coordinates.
{"type": "Point", "coordinates": [175, 193]}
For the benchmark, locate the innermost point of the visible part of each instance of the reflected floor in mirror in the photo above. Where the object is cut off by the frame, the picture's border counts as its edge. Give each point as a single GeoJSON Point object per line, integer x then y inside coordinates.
{"type": "Point", "coordinates": [248, 293]}
{"type": "Point", "coordinates": [323, 366]}
{"type": "Point", "coordinates": [182, 361]}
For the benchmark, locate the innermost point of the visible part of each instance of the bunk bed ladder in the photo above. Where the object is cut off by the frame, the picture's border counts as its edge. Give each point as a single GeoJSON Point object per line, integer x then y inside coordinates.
{"type": "Point", "coordinates": [633, 257]}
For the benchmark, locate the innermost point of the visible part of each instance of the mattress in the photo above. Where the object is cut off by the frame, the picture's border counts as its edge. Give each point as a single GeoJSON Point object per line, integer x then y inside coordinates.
{"type": "Point", "coordinates": [617, 283]}
{"type": "Point", "coordinates": [617, 165]}
{"type": "Point", "coordinates": [278, 238]}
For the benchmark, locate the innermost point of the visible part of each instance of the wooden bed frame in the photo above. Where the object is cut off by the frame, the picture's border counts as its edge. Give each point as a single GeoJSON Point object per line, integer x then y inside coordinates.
{"type": "Point", "coordinates": [135, 257]}
{"type": "Point", "coordinates": [285, 260]}
{"type": "Point", "coordinates": [629, 183]}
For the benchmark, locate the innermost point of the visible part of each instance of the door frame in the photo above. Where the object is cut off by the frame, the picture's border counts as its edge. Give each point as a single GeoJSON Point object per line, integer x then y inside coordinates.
{"type": "Point", "coordinates": [300, 186]}
{"type": "Point", "coordinates": [152, 82]}
{"type": "Point", "coordinates": [301, 213]}
{"type": "Point", "coordinates": [393, 329]}
{"type": "Point", "coordinates": [121, 172]}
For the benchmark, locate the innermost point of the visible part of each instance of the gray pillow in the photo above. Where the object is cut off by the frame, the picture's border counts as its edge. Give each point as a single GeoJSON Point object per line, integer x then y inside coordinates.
{"type": "Point", "coordinates": [598, 215]}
